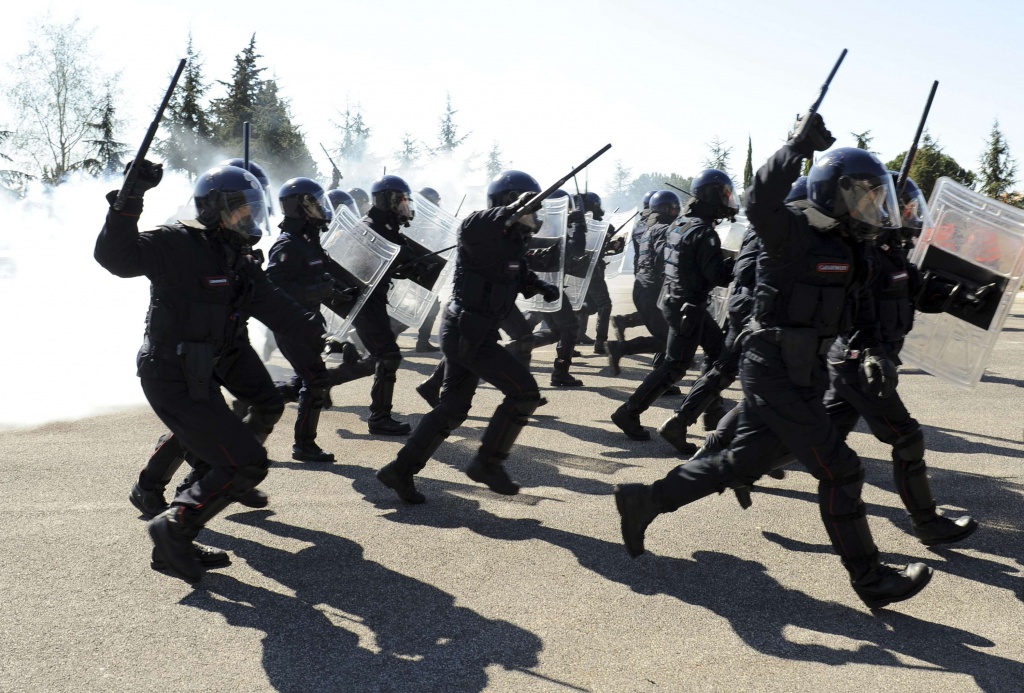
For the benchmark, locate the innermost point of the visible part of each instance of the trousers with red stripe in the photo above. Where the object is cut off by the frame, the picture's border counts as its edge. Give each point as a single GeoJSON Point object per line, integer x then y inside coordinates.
{"type": "Point", "coordinates": [777, 417]}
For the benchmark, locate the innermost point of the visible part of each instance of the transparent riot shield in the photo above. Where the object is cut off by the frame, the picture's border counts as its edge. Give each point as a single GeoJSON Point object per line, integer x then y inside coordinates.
{"type": "Point", "coordinates": [547, 253]}
{"type": "Point", "coordinates": [433, 230]}
{"type": "Point", "coordinates": [973, 254]}
{"type": "Point", "coordinates": [579, 271]}
{"type": "Point", "coordinates": [362, 253]}
{"type": "Point", "coordinates": [623, 262]}
{"type": "Point", "coordinates": [731, 234]}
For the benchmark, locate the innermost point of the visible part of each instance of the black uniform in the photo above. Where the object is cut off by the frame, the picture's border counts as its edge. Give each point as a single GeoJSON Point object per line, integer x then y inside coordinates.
{"type": "Point", "coordinates": [491, 270]}
{"type": "Point", "coordinates": [204, 283]}
{"type": "Point", "coordinates": [806, 275]}
{"type": "Point", "coordinates": [648, 279]}
{"type": "Point", "coordinates": [300, 266]}
{"type": "Point", "coordinates": [705, 395]}
{"type": "Point", "coordinates": [374, 326]}
{"type": "Point", "coordinates": [620, 323]}
{"type": "Point", "coordinates": [598, 299]}
{"type": "Point", "coordinates": [694, 265]}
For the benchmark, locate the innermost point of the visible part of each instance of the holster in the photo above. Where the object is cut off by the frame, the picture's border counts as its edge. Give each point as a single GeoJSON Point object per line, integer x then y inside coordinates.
{"type": "Point", "coordinates": [197, 362]}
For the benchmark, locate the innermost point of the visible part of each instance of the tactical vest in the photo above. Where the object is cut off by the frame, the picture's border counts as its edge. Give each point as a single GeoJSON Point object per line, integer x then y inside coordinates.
{"type": "Point", "coordinates": [650, 264]}
{"type": "Point", "coordinates": [206, 306]}
{"type": "Point", "coordinates": [683, 277]}
{"type": "Point", "coordinates": [892, 289]}
{"type": "Point", "coordinates": [489, 285]}
{"type": "Point", "coordinates": [637, 235]}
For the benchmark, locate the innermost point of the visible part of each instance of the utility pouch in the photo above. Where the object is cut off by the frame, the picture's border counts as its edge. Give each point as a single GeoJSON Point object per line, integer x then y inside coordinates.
{"type": "Point", "coordinates": [198, 361]}
{"type": "Point", "coordinates": [799, 347]}
{"type": "Point", "coordinates": [473, 330]}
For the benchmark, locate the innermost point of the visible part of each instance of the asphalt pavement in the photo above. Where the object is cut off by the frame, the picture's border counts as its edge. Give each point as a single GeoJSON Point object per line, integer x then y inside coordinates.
{"type": "Point", "coordinates": [338, 586]}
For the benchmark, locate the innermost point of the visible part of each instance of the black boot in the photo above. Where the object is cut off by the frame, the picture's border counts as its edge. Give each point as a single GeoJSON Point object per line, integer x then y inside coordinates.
{"type": "Point", "coordinates": [619, 327]}
{"type": "Point", "coordinates": [387, 426]}
{"type": "Point", "coordinates": [381, 394]}
{"type": "Point", "coordinates": [173, 547]}
{"type": "Point", "coordinates": [208, 558]}
{"type": "Point", "coordinates": [289, 391]}
{"type": "Point", "coordinates": [637, 509]}
{"type": "Point", "coordinates": [398, 480]}
{"type": "Point", "coordinates": [147, 495]}
{"type": "Point", "coordinates": [674, 431]}
{"type": "Point", "coordinates": [253, 498]}
{"type": "Point", "coordinates": [430, 389]}
{"type": "Point", "coordinates": [560, 375]}
{"type": "Point", "coordinates": [149, 502]}
{"type": "Point", "coordinates": [944, 530]}
{"type": "Point", "coordinates": [884, 584]}
{"type": "Point", "coordinates": [601, 347]}
{"type": "Point", "coordinates": [614, 349]}
{"type": "Point", "coordinates": [501, 433]}
{"type": "Point", "coordinates": [491, 472]}
{"type": "Point", "coordinates": [629, 422]}
{"type": "Point", "coordinates": [306, 422]}
{"type": "Point", "coordinates": [423, 346]}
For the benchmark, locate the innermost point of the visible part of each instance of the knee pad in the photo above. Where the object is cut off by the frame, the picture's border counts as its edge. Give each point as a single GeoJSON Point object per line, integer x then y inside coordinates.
{"type": "Point", "coordinates": [847, 503]}
{"type": "Point", "coordinates": [248, 476]}
{"type": "Point", "coordinates": [262, 418]}
{"type": "Point", "coordinates": [524, 404]}
{"type": "Point", "coordinates": [389, 362]}
{"type": "Point", "coordinates": [316, 390]}
{"type": "Point", "coordinates": [909, 448]}
{"type": "Point", "coordinates": [676, 372]}
{"type": "Point", "coordinates": [452, 417]}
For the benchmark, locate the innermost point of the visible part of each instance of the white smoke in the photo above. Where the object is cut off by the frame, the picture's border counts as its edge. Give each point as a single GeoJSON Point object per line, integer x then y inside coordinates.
{"type": "Point", "coordinates": [70, 328]}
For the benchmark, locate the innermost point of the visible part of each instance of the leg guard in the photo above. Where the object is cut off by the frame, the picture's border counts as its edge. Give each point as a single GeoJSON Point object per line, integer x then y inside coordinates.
{"type": "Point", "coordinates": [522, 348]}
{"type": "Point", "coordinates": [603, 316]}
{"type": "Point", "coordinates": [430, 389]}
{"type": "Point", "coordinates": [383, 390]}
{"type": "Point", "coordinates": [167, 458]}
{"type": "Point", "coordinates": [911, 478]}
{"type": "Point", "coordinates": [507, 423]}
{"type": "Point", "coordinates": [262, 418]}
{"type": "Point", "coordinates": [844, 516]}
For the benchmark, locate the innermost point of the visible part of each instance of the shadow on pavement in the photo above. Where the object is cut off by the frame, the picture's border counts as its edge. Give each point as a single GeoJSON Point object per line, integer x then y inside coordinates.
{"type": "Point", "coordinates": [352, 624]}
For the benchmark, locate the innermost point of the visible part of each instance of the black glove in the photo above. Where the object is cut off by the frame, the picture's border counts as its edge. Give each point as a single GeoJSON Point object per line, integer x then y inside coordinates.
{"type": "Point", "coordinates": [149, 177]}
{"type": "Point", "coordinates": [810, 135]}
{"type": "Point", "coordinates": [878, 374]}
{"type": "Point", "coordinates": [550, 292]}
{"type": "Point", "coordinates": [345, 294]}
{"type": "Point", "coordinates": [577, 217]}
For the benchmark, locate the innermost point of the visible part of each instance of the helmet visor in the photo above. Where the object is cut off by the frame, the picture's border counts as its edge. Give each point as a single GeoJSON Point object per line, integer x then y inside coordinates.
{"type": "Point", "coordinates": [245, 212]}
{"type": "Point", "coordinates": [871, 201]}
{"type": "Point", "coordinates": [915, 212]}
{"type": "Point", "coordinates": [403, 206]}
{"type": "Point", "coordinates": [316, 208]}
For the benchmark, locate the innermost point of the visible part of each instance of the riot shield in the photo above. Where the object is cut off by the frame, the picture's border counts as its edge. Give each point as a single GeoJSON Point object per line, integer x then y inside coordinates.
{"type": "Point", "coordinates": [433, 229]}
{"type": "Point", "coordinates": [623, 262]}
{"type": "Point", "coordinates": [547, 253]}
{"type": "Point", "coordinates": [731, 234]}
{"type": "Point", "coordinates": [579, 271]}
{"type": "Point", "coordinates": [362, 253]}
{"type": "Point", "coordinates": [972, 257]}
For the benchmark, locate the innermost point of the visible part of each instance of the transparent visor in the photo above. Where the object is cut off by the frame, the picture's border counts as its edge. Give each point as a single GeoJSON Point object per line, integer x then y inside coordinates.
{"type": "Point", "coordinates": [871, 201]}
{"type": "Point", "coordinates": [245, 212]}
{"type": "Point", "coordinates": [729, 199]}
{"type": "Point", "coordinates": [403, 206]}
{"type": "Point", "coordinates": [316, 208]}
{"type": "Point", "coordinates": [915, 213]}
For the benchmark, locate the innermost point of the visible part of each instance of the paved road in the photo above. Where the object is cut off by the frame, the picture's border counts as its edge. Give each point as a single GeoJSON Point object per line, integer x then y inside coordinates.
{"type": "Point", "coordinates": [338, 587]}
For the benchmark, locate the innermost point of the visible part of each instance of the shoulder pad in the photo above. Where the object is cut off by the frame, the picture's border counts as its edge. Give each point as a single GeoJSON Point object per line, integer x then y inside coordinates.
{"type": "Point", "coordinates": [820, 221]}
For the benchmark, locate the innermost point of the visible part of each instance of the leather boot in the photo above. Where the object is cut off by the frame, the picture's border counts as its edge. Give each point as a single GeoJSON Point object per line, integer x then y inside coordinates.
{"type": "Point", "coordinates": [560, 376]}
{"type": "Point", "coordinates": [637, 510]}
{"type": "Point", "coordinates": [491, 472]}
{"type": "Point", "coordinates": [629, 422]}
{"type": "Point", "coordinates": [885, 584]}
{"type": "Point", "coordinates": [401, 482]}
{"type": "Point", "coordinates": [674, 431]}
{"type": "Point", "coordinates": [306, 422]}
{"type": "Point", "coordinates": [173, 547]}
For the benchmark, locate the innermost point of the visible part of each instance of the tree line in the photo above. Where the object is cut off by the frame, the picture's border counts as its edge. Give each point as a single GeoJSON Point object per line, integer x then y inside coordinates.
{"type": "Point", "coordinates": [66, 121]}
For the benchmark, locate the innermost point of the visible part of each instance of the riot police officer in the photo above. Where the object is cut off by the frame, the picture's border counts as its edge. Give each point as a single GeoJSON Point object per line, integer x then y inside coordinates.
{"type": "Point", "coordinates": [648, 279]}
{"type": "Point", "coordinates": [490, 271]}
{"type": "Point", "coordinates": [598, 300]}
{"type": "Point", "coordinates": [362, 200]}
{"type": "Point", "coordinates": [807, 272]}
{"type": "Point", "coordinates": [338, 197]}
{"type": "Point", "coordinates": [204, 282]}
{"type": "Point", "coordinates": [423, 345]}
{"type": "Point", "coordinates": [635, 319]}
{"type": "Point", "coordinates": [300, 266]}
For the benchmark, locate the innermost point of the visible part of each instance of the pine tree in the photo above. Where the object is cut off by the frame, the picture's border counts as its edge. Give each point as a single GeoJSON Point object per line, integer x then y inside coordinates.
{"type": "Point", "coordinates": [998, 171]}
{"type": "Point", "coordinates": [748, 167]}
{"type": "Point", "coordinates": [930, 164]}
{"type": "Point", "coordinates": [276, 141]}
{"type": "Point", "coordinates": [408, 156]}
{"type": "Point", "coordinates": [448, 136]}
{"type": "Point", "coordinates": [188, 126]}
{"type": "Point", "coordinates": [108, 151]}
{"type": "Point", "coordinates": [354, 134]}
{"type": "Point", "coordinates": [494, 164]}
{"type": "Point", "coordinates": [718, 155]}
{"type": "Point", "coordinates": [863, 139]}
{"type": "Point", "coordinates": [239, 105]}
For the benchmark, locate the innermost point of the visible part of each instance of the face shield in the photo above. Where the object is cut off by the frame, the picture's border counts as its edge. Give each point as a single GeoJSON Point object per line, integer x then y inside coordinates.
{"type": "Point", "coordinates": [316, 208]}
{"type": "Point", "coordinates": [871, 201]}
{"type": "Point", "coordinates": [915, 215]}
{"type": "Point", "coordinates": [401, 205]}
{"type": "Point", "coordinates": [244, 212]}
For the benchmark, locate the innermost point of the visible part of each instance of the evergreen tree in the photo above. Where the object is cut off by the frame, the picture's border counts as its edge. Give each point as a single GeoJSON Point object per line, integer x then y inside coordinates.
{"type": "Point", "coordinates": [657, 181]}
{"type": "Point", "coordinates": [448, 134]}
{"type": "Point", "coordinates": [863, 140]}
{"type": "Point", "coordinates": [748, 167]}
{"type": "Point", "coordinates": [108, 151]}
{"type": "Point", "coordinates": [494, 163]}
{"type": "Point", "coordinates": [354, 134]}
{"type": "Point", "coordinates": [998, 171]}
{"type": "Point", "coordinates": [276, 141]}
{"type": "Point", "coordinates": [930, 164]}
{"type": "Point", "coordinates": [408, 156]}
{"type": "Point", "coordinates": [188, 126]}
{"type": "Point", "coordinates": [239, 104]}
{"type": "Point", "coordinates": [718, 156]}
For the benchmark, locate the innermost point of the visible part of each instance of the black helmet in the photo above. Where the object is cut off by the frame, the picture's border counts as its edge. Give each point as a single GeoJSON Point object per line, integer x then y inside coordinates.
{"type": "Point", "coordinates": [508, 186]}
{"type": "Point", "coordinates": [305, 199]}
{"type": "Point", "coordinates": [431, 195]}
{"type": "Point", "coordinates": [716, 193]}
{"type": "Point", "coordinates": [362, 200]}
{"type": "Point", "coordinates": [592, 201]}
{"type": "Point", "coordinates": [647, 198]}
{"type": "Point", "coordinates": [231, 198]}
{"type": "Point", "coordinates": [392, 194]}
{"type": "Point", "coordinates": [798, 191]}
{"type": "Point", "coordinates": [852, 186]}
{"type": "Point", "coordinates": [913, 207]}
{"type": "Point", "coordinates": [665, 203]}
{"type": "Point", "coordinates": [339, 197]}
{"type": "Point", "coordinates": [256, 170]}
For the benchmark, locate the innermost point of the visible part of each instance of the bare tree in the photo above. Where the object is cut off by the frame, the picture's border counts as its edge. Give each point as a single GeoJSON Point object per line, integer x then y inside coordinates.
{"type": "Point", "coordinates": [58, 96]}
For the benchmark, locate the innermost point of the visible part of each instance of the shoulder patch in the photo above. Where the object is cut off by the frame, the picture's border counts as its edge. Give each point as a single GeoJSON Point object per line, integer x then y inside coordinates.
{"type": "Point", "coordinates": [833, 267]}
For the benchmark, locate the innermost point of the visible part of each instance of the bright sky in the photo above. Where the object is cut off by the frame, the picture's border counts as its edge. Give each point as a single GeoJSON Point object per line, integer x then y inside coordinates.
{"type": "Point", "coordinates": [554, 81]}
